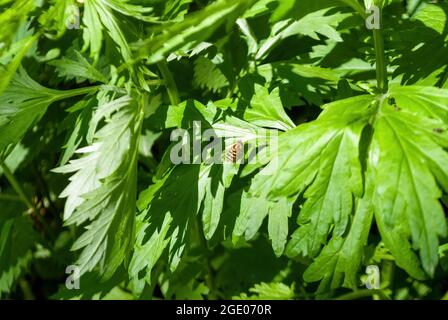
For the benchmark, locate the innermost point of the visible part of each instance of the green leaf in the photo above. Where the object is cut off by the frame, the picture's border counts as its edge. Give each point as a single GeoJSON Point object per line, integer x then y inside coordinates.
{"type": "Point", "coordinates": [17, 241]}
{"type": "Point", "coordinates": [176, 9]}
{"type": "Point", "coordinates": [329, 167]}
{"type": "Point", "coordinates": [147, 252]}
{"type": "Point", "coordinates": [278, 224]}
{"type": "Point", "coordinates": [300, 8]}
{"type": "Point", "coordinates": [406, 164]}
{"type": "Point", "coordinates": [334, 134]}
{"type": "Point", "coordinates": [78, 68]}
{"type": "Point", "coordinates": [91, 290]}
{"type": "Point", "coordinates": [339, 261]}
{"type": "Point", "coordinates": [102, 190]}
{"type": "Point", "coordinates": [261, 7]}
{"type": "Point", "coordinates": [23, 104]}
{"type": "Point", "coordinates": [164, 223]}
{"type": "Point", "coordinates": [311, 82]}
{"type": "Point", "coordinates": [7, 73]}
{"type": "Point", "coordinates": [59, 16]}
{"type": "Point", "coordinates": [268, 291]}
{"type": "Point", "coordinates": [77, 126]}
{"type": "Point", "coordinates": [266, 110]}
{"type": "Point", "coordinates": [99, 15]}
{"type": "Point", "coordinates": [312, 25]}
{"type": "Point", "coordinates": [413, 43]}
{"type": "Point", "coordinates": [11, 17]}
{"type": "Point", "coordinates": [252, 212]}
{"type": "Point", "coordinates": [433, 16]}
{"type": "Point", "coordinates": [208, 75]}
{"type": "Point", "coordinates": [194, 29]}
{"type": "Point", "coordinates": [217, 176]}
{"type": "Point", "coordinates": [183, 115]}
{"type": "Point", "coordinates": [410, 167]}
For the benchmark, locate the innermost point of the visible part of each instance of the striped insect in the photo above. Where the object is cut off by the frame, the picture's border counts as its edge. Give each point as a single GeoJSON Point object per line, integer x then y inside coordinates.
{"type": "Point", "coordinates": [234, 152]}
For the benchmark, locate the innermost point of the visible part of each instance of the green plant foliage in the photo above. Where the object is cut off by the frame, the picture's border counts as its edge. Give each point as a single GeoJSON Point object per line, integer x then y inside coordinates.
{"type": "Point", "coordinates": [225, 149]}
{"type": "Point", "coordinates": [269, 291]}
{"type": "Point", "coordinates": [17, 242]}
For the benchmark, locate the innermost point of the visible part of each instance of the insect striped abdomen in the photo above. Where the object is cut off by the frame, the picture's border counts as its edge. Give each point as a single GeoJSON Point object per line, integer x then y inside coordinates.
{"type": "Point", "coordinates": [235, 151]}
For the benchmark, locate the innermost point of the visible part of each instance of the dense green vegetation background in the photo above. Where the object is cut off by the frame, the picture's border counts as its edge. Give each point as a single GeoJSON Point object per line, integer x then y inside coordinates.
{"type": "Point", "coordinates": [91, 90]}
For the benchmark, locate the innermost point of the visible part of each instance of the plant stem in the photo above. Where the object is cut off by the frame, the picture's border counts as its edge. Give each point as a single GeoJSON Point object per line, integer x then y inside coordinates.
{"type": "Point", "coordinates": [203, 243]}
{"type": "Point", "coordinates": [26, 290]}
{"type": "Point", "coordinates": [10, 197]}
{"type": "Point", "coordinates": [356, 6]}
{"type": "Point", "coordinates": [363, 294]}
{"type": "Point", "coordinates": [23, 197]}
{"type": "Point", "coordinates": [388, 274]}
{"type": "Point", "coordinates": [59, 95]}
{"type": "Point", "coordinates": [17, 187]}
{"type": "Point", "coordinates": [169, 83]}
{"type": "Point", "coordinates": [381, 65]}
